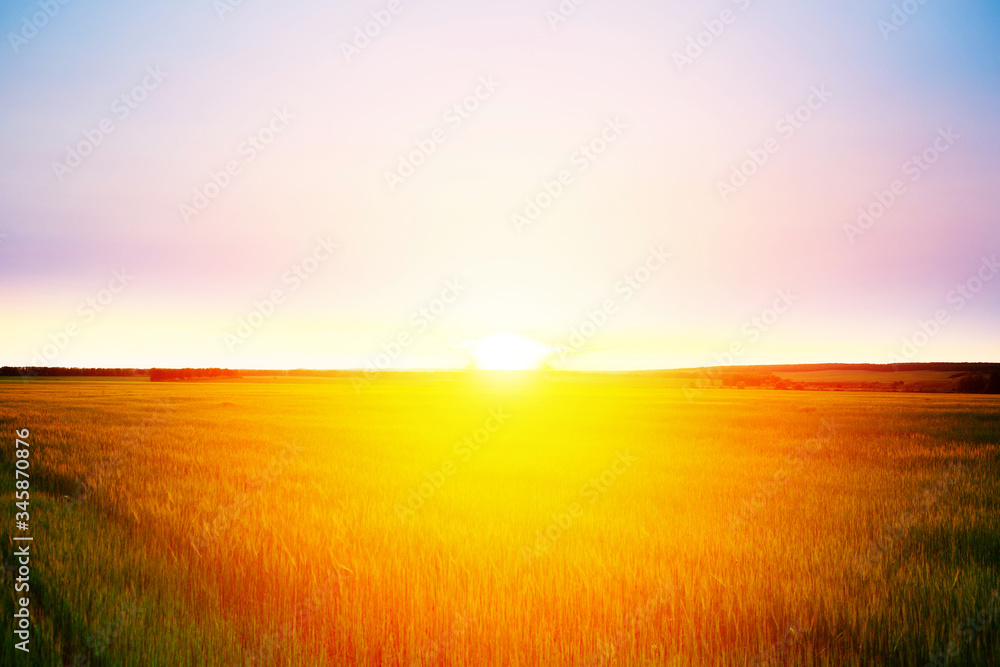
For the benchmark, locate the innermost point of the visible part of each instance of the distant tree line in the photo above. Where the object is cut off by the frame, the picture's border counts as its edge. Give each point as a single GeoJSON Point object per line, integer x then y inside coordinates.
{"type": "Point", "coordinates": [973, 383]}
{"type": "Point", "coordinates": [973, 378]}
{"type": "Point", "coordinates": [165, 374]}
{"type": "Point", "coordinates": [185, 372]}
{"type": "Point", "coordinates": [764, 380]}
{"type": "Point", "coordinates": [952, 366]}
{"type": "Point", "coordinates": [71, 372]}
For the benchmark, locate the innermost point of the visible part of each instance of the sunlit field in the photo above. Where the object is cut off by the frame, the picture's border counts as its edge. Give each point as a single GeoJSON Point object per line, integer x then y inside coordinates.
{"type": "Point", "coordinates": [503, 519]}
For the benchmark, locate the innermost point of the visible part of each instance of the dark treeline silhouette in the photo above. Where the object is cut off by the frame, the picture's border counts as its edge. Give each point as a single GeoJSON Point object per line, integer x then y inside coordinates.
{"type": "Point", "coordinates": [168, 373]}
{"type": "Point", "coordinates": [973, 383]}
{"type": "Point", "coordinates": [966, 377]}
{"type": "Point", "coordinates": [165, 374]}
{"type": "Point", "coordinates": [951, 366]}
{"type": "Point", "coordinates": [765, 380]}
{"type": "Point", "coordinates": [44, 371]}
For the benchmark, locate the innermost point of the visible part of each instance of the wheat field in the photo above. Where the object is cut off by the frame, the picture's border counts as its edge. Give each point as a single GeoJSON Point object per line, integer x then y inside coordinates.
{"type": "Point", "coordinates": [503, 520]}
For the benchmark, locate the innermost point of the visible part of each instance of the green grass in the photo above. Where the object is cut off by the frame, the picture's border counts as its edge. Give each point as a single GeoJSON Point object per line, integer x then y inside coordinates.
{"type": "Point", "coordinates": [222, 523]}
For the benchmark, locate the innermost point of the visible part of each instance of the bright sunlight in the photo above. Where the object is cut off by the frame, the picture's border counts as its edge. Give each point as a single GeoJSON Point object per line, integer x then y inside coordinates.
{"type": "Point", "coordinates": [509, 352]}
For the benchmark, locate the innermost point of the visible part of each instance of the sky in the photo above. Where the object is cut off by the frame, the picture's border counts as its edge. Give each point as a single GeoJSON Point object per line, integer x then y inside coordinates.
{"type": "Point", "coordinates": [634, 184]}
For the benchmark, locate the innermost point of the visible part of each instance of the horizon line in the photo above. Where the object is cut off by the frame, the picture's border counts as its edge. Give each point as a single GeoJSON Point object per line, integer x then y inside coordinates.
{"type": "Point", "coordinates": [526, 370]}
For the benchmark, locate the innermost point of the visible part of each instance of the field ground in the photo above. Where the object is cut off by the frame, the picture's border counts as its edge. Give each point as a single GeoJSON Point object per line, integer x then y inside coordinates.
{"type": "Point", "coordinates": [502, 521]}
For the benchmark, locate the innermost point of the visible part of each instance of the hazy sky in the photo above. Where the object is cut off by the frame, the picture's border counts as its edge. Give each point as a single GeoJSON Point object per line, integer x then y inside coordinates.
{"type": "Point", "coordinates": [121, 119]}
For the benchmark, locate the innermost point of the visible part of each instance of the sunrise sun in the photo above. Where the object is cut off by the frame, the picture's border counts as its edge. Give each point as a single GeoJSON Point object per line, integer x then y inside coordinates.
{"type": "Point", "coordinates": [509, 352]}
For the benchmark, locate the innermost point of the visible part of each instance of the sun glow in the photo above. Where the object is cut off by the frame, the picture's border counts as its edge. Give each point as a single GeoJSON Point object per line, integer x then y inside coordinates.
{"type": "Point", "coordinates": [509, 352]}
